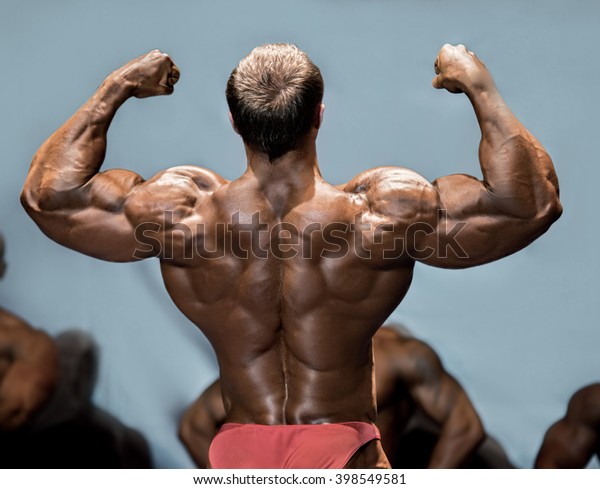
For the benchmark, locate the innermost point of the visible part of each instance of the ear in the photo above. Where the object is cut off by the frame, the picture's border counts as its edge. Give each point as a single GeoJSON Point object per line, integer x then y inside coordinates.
{"type": "Point", "coordinates": [319, 118]}
{"type": "Point", "coordinates": [232, 123]}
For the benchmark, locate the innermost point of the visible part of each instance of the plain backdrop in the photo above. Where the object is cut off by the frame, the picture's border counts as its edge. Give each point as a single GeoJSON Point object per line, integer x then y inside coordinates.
{"type": "Point", "coordinates": [521, 334]}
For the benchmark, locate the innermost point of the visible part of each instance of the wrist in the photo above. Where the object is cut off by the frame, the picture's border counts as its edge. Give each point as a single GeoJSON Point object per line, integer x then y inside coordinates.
{"type": "Point", "coordinates": [486, 101]}
{"type": "Point", "coordinates": [116, 88]}
{"type": "Point", "coordinates": [484, 90]}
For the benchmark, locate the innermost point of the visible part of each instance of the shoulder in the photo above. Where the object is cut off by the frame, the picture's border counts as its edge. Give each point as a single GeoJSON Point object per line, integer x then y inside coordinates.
{"type": "Point", "coordinates": [412, 358]}
{"type": "Point", "coordinates": [395, 191]}
{"type": "Point", "coordinates": [17, 329]}
{"type": "Point", "coordinates": [187, 178]}
{"type": "Point", "coordinates": [178, 189]}
{"type": "Point", "coordinates": [584, 405]}
{"type": "Point", "coordinates": [10, 321]}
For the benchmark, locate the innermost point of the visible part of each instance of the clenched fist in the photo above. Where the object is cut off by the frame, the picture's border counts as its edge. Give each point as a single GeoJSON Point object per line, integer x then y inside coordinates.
{"type": "Point", "coordinates": [149, 75]}
{"type": "Point", "coordinates": [459, 70]}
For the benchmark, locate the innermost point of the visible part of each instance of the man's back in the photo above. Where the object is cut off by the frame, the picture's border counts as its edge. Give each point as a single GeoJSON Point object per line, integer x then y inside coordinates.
{"type": "Point", "coordinates": [424, 416]}
{"type": "Point", "coordinates": [289, 299]}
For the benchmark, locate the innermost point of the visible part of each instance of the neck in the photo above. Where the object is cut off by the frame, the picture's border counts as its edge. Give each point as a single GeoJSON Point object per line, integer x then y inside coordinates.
{"type": "Point", "coordinates": [287, 181]}
{"type": "Point", "coordinates": [296, 167]}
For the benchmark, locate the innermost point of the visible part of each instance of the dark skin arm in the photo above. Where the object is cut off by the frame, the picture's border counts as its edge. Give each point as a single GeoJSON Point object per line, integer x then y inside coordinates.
{"type": "Point", "coordinates": [442, 398]}
{"type": "Point", "coordinates": [571, 442]}
{"type": "Point", "coordinates": [201, 422]}
{"type": "Point", "coordinates": [29, 371]}
{"type": "Point", "coordinates": [95, 212]}
{"type": "Point", "coordinates": [460, 221]}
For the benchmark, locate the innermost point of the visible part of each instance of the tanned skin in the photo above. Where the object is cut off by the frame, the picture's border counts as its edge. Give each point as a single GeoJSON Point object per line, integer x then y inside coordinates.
{"type": "Point", "coordinates": [28, 371]}
{"type": "Point", "coordinates": [408, 375]}
{"type": "Point", "coordinates": [572, 441]}
{"type": "Point", "coordinates": [200, 423]}
{"type": "Point", "coordinates": [292, 331]}
{"type": "Point", "coordinates": [28, 367]}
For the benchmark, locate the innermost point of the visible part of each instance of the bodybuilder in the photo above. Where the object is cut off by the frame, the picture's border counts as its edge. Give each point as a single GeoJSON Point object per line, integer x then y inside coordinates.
{"type": "Point", "coordinates": [288, 276]}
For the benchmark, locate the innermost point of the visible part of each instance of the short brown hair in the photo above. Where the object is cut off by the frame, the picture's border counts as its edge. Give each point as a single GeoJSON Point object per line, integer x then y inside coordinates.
{"type": "Point", "coordinates": [273, 96]}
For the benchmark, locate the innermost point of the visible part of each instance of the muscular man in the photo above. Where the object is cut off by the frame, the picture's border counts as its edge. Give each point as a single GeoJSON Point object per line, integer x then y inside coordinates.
{"type": "Point", "coordinates": [288, 276]}
{"type": "Point", "coordinates": [572, 441]}
{"type": "Point", "coordinates": [28, 367]}
{"type": "Point", "coordinates": [410, 378]}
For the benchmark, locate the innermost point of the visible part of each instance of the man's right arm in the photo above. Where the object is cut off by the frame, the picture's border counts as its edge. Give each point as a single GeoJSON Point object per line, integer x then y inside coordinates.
{"type": "Point", "coordinates": [100, 213]}
{"type": "Point", "coordinates": [200, 423]}
{"type": "Point", "coordinates": [571, 442]}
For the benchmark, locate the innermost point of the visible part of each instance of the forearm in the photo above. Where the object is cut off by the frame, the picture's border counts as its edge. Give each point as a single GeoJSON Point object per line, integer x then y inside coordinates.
{"type": "Point", "coordinates": [75, 152]}
{"type": "Point", "coordinates": [518, 173]}
{"type": "Point", "coordinates": [198, 448]}
{"type": "Point", "coordinates": [196, 441]}
{"type": "Point", "coordinates": [457, 442]}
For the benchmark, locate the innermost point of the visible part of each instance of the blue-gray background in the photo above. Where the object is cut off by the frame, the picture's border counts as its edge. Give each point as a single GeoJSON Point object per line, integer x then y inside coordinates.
{"type": "Point", "coordinates": [520, 334]}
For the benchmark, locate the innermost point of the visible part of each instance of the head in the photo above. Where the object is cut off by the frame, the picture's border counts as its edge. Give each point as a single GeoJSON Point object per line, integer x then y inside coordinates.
{"type": "Point", "coordinates": [274, 97]}
{"type": "Point", "coordinates": [27, 388]}
{"type": "Point", "coordinates": [2, 262]}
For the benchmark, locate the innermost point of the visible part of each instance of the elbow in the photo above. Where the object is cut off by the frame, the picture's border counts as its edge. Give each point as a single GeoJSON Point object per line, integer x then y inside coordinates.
{"type": "Point", "coordinates": [185, 431]}
{"type": "Point", "coordinates": [551, 208]}
{"type": "Point", "coordinates": [29, 200]}
{"type": "Point", "coordinates": [36, 201]}
{"type": "Point", "coordinates": [474, 433]}
{"type": "Point", "coordinates": [554, 210]}
{"type": "Point", "coordinates": [549, 213]}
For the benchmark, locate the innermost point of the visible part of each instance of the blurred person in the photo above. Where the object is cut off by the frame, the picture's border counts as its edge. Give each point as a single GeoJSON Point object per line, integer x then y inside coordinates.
{"type": "Point", "coordinates": [573, 440]}
{"type": "Point", "coordinates": [47, 419]}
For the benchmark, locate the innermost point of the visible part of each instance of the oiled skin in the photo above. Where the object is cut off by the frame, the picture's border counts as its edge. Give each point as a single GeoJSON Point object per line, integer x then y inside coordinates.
{"type": "Point", "coordinates": [408, 376]}
{"type": "Point", "coordinates": [292, 335]}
